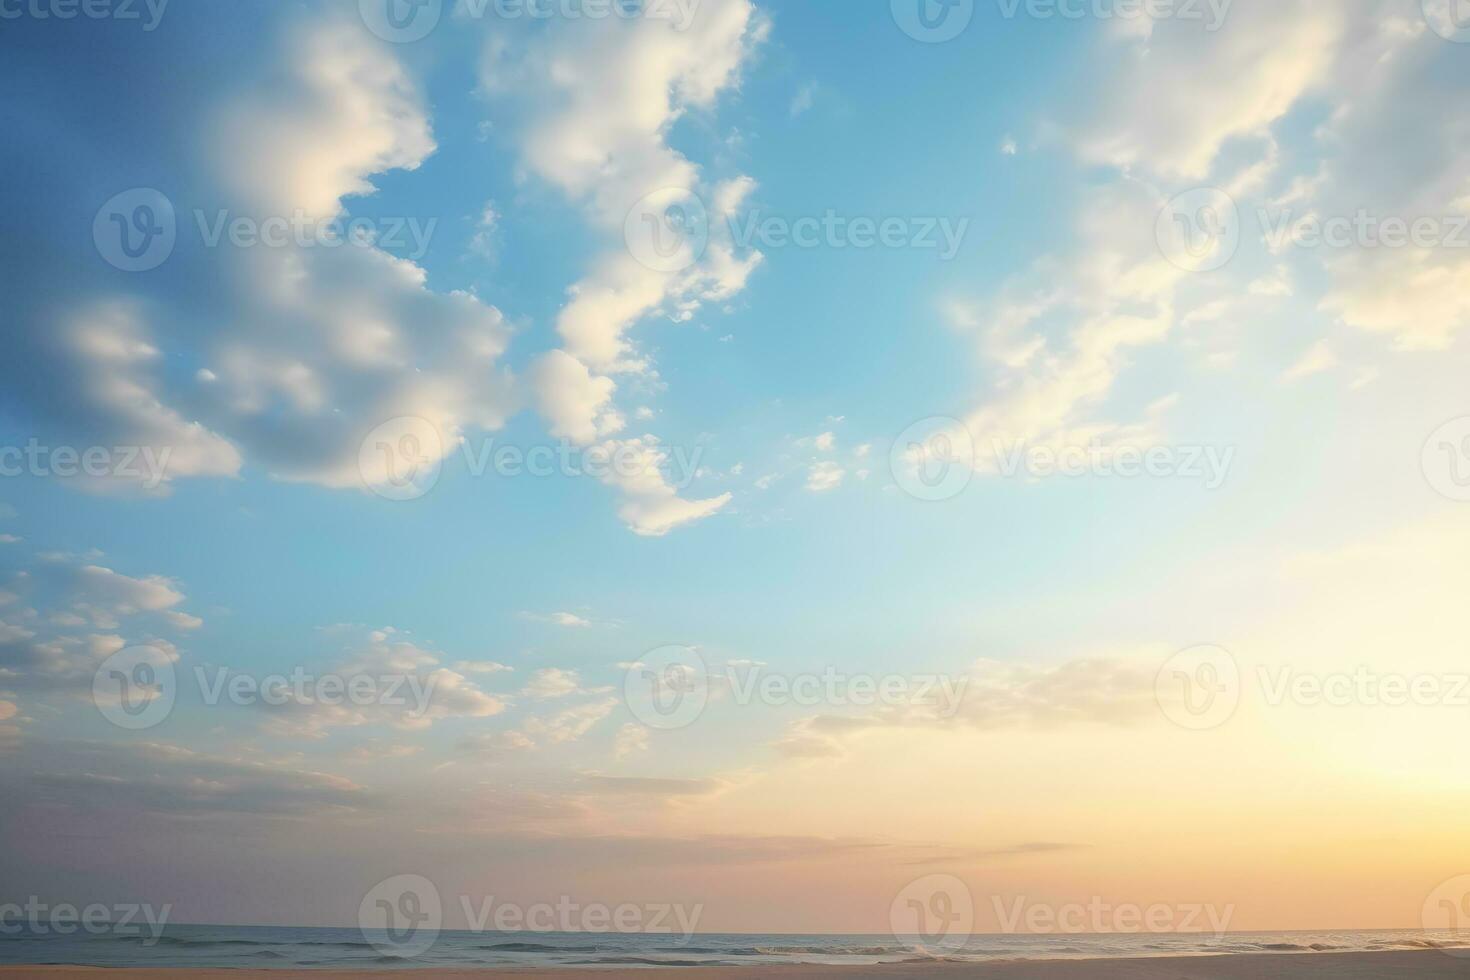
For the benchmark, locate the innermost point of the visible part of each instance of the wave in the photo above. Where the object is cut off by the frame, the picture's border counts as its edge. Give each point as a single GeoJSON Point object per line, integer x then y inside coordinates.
{"type": "Point", "coordinates": [639, 961]}
{"type": "Point", "coordinates": [201, 943]}
{"type": "Point", "coordinates": [833, 950]}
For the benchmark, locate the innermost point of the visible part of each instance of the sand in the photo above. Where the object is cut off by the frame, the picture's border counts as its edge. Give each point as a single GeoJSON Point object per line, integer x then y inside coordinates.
{"type": "Point", "coordinates": [1417, 964]}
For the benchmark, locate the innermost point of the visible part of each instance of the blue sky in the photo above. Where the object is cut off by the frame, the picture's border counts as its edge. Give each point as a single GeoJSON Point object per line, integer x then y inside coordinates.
{"type": "Point", "coordinates": [1316, 378]}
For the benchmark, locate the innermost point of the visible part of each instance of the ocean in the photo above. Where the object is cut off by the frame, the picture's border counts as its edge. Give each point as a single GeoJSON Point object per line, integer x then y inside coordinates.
{"type": "Point", "coordinates": [294, 948]}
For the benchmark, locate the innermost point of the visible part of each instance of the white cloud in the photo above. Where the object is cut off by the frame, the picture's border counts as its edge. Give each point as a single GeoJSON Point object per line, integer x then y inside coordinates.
{"type": "Point", "coordinates": [604, 95]}
{"type": "Point", "coordinates": [824, 476]}
{"type": "Point", "coordinates": [599, 99]}
{"type": "Point", "coordinates": [1172, 98]}
{"type": "Point", "coordinates": [1060, 336]}
{"type": "Point", "coordinates": [110, 360]}
{"type": "Point", "coordinates": [652, 506]}
{"type": "Point", "coordinates": [553, 682]}
{"type": "Point", "coordinates": [341, 108]}
{"type": "Point", "coordinates": [571, 724]}
{"type": "Point", "coordinates": [309, 349]}
{"type": "Point", "coordinates": [576, 403]}
{"type": "Point", "coordinates": [481, 667]}
{"type": "Point", "coordinates": [415, 692]}
{"type": "Point", "coordinates": [804, 99]}
{"type": "Point", "coordinates": [1318, 358]}
{"type": "Point", "coordinates": [631, 738]}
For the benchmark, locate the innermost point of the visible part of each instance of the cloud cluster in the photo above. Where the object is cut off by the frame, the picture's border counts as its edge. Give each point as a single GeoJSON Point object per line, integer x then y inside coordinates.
{"type": "Point", "coordinates": [63, 615]}
{"type": "Point", "coordinates": [1104, 690]}
{"type": "Point", "coordinates": [603, 98]}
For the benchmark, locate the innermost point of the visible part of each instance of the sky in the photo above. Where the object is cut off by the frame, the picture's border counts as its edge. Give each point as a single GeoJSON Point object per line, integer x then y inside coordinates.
{"type": "Point", "coordinates": [649, 386]}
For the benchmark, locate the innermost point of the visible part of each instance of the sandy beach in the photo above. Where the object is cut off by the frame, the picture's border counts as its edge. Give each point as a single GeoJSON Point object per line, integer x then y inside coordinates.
{"type": "Point", "coordinates": [1417, 964]}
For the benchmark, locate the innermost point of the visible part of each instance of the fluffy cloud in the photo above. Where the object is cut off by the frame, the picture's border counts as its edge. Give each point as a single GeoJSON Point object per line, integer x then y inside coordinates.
{"type": "Point", "coordinates": [576, 403]}
{"type": "Point", "coordinates": [631, 738]}
{"type": "Point", "coordinates": [340, 108]}
{"type": "Point", "coordinates": [415, 692]}
{"type": "Point", "coordinates": [1060, 336]}
{"type": "Point", "coordinates": [603, 96]}
{"type": "Point", "coordinates": [571, 724]}
{"type": "Point", "coordinates": [332, 342]}
{"type": "Point", "coordinates": [824, 476]}
{"type": "Point", "coordinates": [1177, 92]}
{"type": "Point", "coordinates": [108, 351]}
{"type": "Point", "coordinates": [295, 351]}
{"type": "Point", "coordinates": [553, 682]}
{"type": "Point", "coordinates": [152, 777]}
{"type": "Point", "coordinates": [79, 614]}
{"type": "Point", "coordinates": [1108, 690]}
{"type": "Point", "coordinates": [1177, 97]}
{"type": "Point", "coordinates": [652, 506]}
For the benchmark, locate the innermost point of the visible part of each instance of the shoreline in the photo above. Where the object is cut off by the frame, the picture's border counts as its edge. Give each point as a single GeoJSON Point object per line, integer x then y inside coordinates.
{"type": "Point", "coordinates": [1390, 965]}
